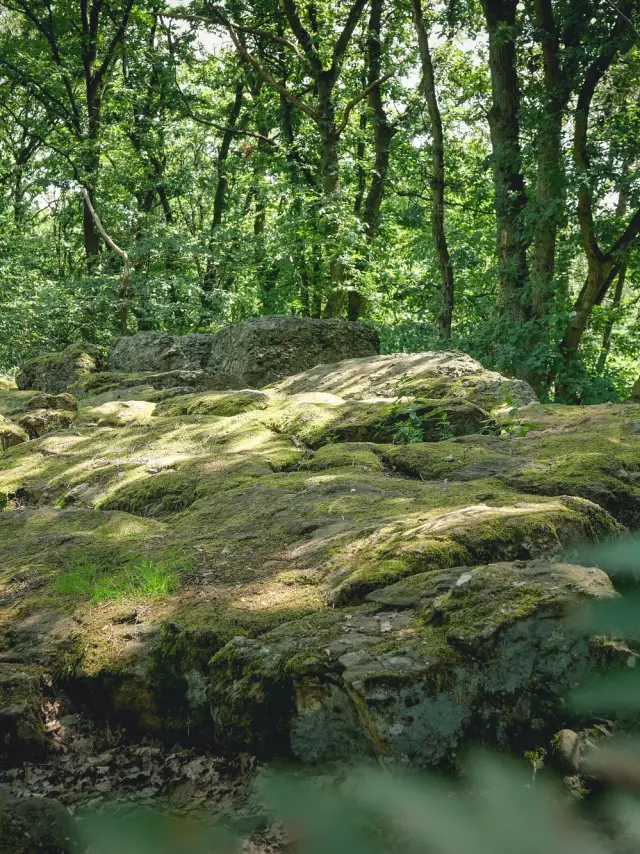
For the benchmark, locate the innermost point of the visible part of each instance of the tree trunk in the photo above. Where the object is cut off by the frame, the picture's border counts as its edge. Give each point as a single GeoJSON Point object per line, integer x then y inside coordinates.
{"type": "Point", "coordinates": [510, 196]}
{"type": "Point", "coordinates": [208, 283]}
{"type": "Point", "coordinates": [330, 172]}
{"type": "Point", "coordinates": [550, 185]}
{"type": "Point", "coordinates": [608, 329]}
{"type": "Point", "coordinates": [438, 177]}
{"type": "Point", "coordinates": [92, 168]}
{"type": "Point", "coordinates": [621, 210]}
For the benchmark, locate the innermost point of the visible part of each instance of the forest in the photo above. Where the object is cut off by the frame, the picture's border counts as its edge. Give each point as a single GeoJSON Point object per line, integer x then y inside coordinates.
{"type": "Point", "coordinates": [462, 175]}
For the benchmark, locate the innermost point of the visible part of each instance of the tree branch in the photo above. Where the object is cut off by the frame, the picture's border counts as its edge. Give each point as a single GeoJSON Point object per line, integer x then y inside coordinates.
{"type": "Point", "coordinates": [355, 101]}
{"type": "Point", "coordinates": [113, 44]}
{"type": "Point", "coordinates": [303, 36]}
{"type": "Point", "coordinates": [248, 57]}
{"type": "Point", "coordinates": [355, 13]}
{"type": "Point", "coordinates": [252, 31]}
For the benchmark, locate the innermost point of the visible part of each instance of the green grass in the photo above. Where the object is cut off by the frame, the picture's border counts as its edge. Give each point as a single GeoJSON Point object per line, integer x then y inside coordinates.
{"type": "Point", "coordinates": [139, 578]}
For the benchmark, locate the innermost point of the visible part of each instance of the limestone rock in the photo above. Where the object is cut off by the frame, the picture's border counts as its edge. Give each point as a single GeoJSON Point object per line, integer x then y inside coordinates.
{"type": "Point", "coordinates": [441, 374]}
{"type": "Point", "coordinates": [440, 660]}
{"type": "Point", "coordinates": [39, 422]}
{"type": "Point", "coordinates": [11, 434]}
{"type": "Point", "coordinates": [265, 349]}
{"type": "Point", "coordinates": [160, 352]}
{"type": "Point", "coordinates": [257, 351]}
{"type": "Point", "coordinates": [60, 402]}
{"type": "Point", "coordinates": [567, 748]}
{"type": "Point", "coordinates": [55, 372]}
{"type": "Point", "coordinates": [37, 826]}
{"type": "Point", "coordinates": [178, 382]}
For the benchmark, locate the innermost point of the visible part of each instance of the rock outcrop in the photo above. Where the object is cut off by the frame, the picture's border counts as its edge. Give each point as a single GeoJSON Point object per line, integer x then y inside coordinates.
{"type": "Point", "coordinates": [256, 352]}
{"type": "Point", "coordinates": [56, 372]}
{"type": "Point", "coordinates": [373, 558]}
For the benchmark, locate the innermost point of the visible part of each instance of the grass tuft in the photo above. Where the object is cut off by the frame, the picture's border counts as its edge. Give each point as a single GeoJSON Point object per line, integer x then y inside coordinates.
{"type": "Point", "coordinates": [138, 578]}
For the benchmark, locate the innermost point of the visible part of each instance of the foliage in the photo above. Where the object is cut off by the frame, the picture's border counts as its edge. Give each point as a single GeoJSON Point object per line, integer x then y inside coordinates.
{"type": "Point", "coordinates": [218, 185]}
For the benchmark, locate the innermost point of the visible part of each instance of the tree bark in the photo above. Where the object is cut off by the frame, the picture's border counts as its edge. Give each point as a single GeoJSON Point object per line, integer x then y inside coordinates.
{"type": "Point", "coordinates": [219, 201]}
{"type": "Point", "coordinates": [438, 234]}
{"type": "Point", "coordinates": [602, 266]}
{"type": "Point", "coordinates": [607, 334]}
{"type": "Point", "coordinates": [510, 195]}
{"type": "Point", "coordinates": [550, 179]}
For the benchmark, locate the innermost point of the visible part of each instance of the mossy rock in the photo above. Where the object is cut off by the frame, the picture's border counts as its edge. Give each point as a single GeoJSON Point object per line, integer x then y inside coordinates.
{"type": "Point", "coordinates": [433, 375]}
{"type": "Point", "coordinates": [281, 533]}
{"type": "Point", "coordinates": [56, 372]}
{"type": "Point", "coordinates": [431, 664]}
{"type": "Point", "coordinates": [21, 723]}
{"type": "Point", "coordinates": [37, 826]}
{"type": "Point", "coordinates": [354, 455]}
{"type": "Point", "coordinates": [222, 404]}
{"type": "Point", "coordinates": [40, 422]}
{"type": "Point", "coordinates": [315, 423]}
{"type": "Point", "coordinates": [11, 434]}
{"type": "Point", "coordinates": [114, 385]}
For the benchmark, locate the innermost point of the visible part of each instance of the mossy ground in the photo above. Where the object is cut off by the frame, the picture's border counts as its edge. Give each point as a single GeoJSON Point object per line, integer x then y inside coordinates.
{"type": "Point", "coordinates": [270, 516]}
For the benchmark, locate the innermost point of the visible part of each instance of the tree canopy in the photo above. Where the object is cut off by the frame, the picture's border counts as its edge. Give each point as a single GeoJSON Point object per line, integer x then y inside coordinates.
{"type": "Point", "coordinates": [462, 174]}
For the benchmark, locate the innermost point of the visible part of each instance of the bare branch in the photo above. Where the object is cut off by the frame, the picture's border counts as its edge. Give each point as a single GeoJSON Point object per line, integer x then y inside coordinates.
{"type": "Point", "coordinates": [622, 15]}
{"type": "Point", "coordinates": [110, 243]}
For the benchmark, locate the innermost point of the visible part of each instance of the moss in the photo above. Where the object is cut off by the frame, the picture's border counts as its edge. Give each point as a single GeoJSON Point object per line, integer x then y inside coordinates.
{"type": "Point", "coordinates": [379, 421]}
{"type": "Point", "coordinates": [21, 726]}
{"type": "Point", "coordinates": [221, 404]}
{"type": "Point", "coordinates": [11, 434]}
{"type": "Point", "coordinates": [42, 421]}
{"type": "Point", "coordinates": [473, 535]}
{"type": "Point", "coordinates": [344, 455]}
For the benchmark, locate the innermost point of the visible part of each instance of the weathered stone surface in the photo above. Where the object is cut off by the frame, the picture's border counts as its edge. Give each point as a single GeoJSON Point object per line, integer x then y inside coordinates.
{"type": "Point", "coordinates": [566, 751]}
{"type": "Point", "coordinates": [635, 392]}
{"type": "Point", "coordinates": [11, 434]}
{"type": "Point", "coordinates": [265, 349]}
{"type": "Point", "coordinates": [37, 826]}
{"type": "Point", "coordinates": [445, 374]}
{"type": "Point", "coordinates": [61, 402]}
{"type": "Point", "coordinates": [442, 660]}
{"type": "Point", "coordinates": [160, 352]}
{"type": "Point", "coordinates": [119, 385]}
{"type": "Point", "coordinates": [257, 351]}
{"type": "Point", "coordinates": [333, 591]}
{"type": "Point", "coordinates": [39, 422]}
{"type": "Point", "coordinates": [55, 372]}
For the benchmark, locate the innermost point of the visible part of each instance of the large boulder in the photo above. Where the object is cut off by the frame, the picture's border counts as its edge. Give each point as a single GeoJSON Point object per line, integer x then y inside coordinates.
{"type": "Point", "coordinates": [434, 663]}
{"type": "Point", "coordinates": [160, 352]}
{"type": "Point", "coordinates": [258, 351]}
{"type": "Point", "coordinates": [11, 434]}
{"type": "Point", "coordinates": [635, 392]}
{"type": "Point", "coordinates": [55, 372]}
{"type": "Point", "coordinates": [265, 349]}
